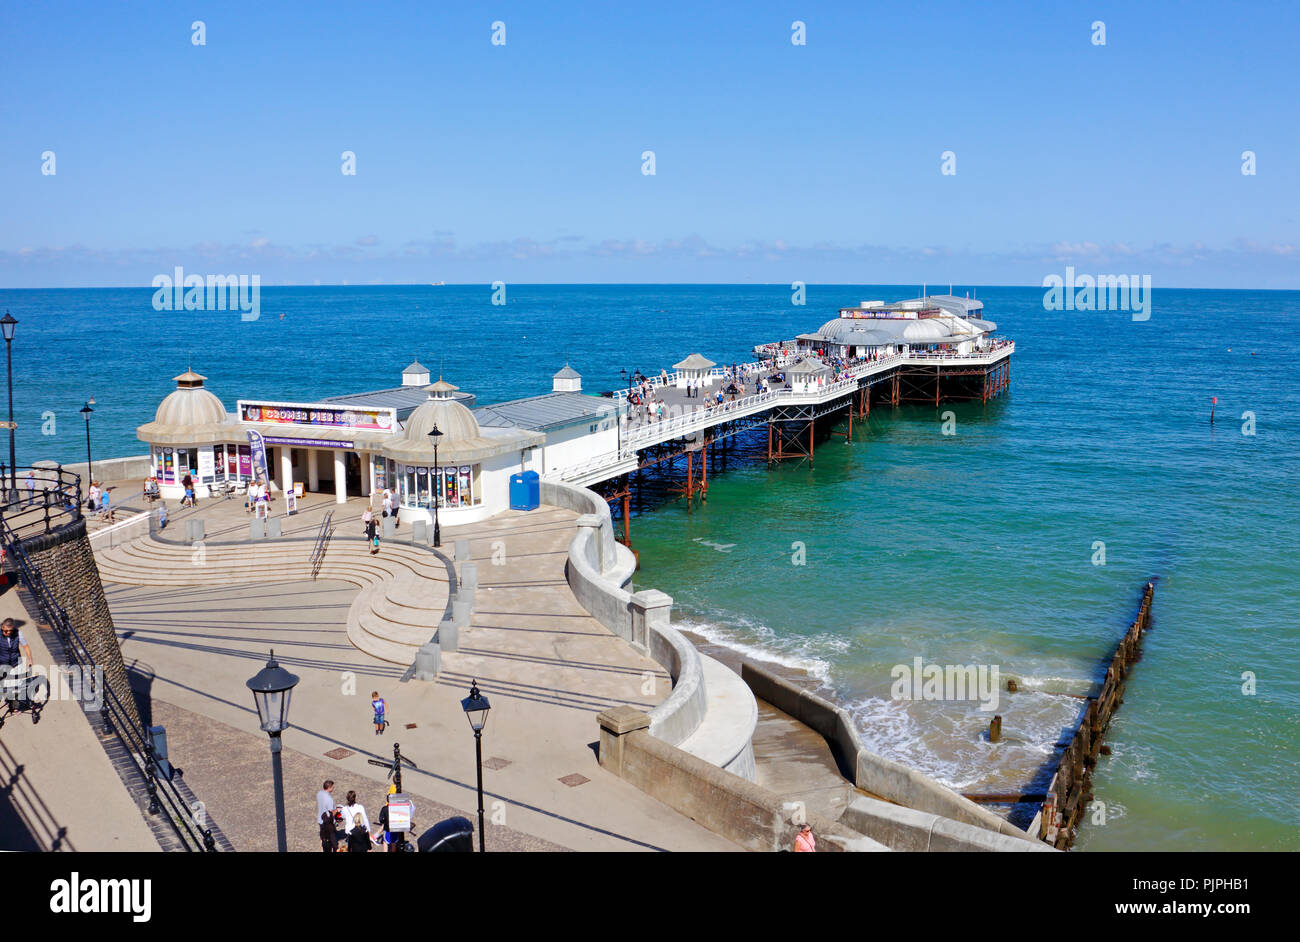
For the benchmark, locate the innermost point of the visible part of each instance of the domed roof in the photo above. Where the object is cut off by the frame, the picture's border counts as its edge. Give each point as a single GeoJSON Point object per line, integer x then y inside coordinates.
{"type": "Point", "coordinates": [456, 423]}
{"type": "Point", "coordinates": [190, 404]}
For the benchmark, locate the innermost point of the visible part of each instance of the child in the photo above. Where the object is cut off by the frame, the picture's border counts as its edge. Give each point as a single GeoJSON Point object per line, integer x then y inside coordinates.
{"type": "Point", "coordinates": [377, 704]}
{"type": "Point", "coordinates": [162, 516]}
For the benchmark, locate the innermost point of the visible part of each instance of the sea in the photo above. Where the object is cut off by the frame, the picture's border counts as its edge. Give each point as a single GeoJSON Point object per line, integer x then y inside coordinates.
{"type": "Point", "coordinates": [1013, 535]}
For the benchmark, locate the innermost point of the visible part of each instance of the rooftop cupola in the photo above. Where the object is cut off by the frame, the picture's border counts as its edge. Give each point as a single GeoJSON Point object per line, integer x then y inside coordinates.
{"type": "Point", "coordinates": [566, 380]}
{"type": "Point", "coordinates": [415, 375]}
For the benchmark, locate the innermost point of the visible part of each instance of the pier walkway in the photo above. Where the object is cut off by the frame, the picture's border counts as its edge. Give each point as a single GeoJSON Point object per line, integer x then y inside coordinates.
{"type": "Point", "coordinates": [686, 418]}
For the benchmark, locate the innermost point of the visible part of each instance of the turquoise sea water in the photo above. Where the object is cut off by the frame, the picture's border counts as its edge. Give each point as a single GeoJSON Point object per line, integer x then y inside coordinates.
{"type": "Point", "coordinates": [972, 548]}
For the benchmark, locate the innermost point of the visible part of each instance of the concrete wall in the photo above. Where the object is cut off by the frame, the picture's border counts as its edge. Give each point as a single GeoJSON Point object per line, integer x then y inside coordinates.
{"type": "Point", "coordinates": [868, 771]}
{"type": "Point", "coordinates": [598, 571]}
{"type": "Point", "coordinates": [905, 829]}
{"type": "Point", "coordinates": [726, 804]}
{"type": "Point", "coordinates": [66, 563]}
{"type": "Point", "coordinates": [135, 468]}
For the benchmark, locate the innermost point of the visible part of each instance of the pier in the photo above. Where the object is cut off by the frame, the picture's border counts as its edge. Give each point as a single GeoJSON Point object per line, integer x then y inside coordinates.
{"type": "Point", "coordinates": [794, 408]}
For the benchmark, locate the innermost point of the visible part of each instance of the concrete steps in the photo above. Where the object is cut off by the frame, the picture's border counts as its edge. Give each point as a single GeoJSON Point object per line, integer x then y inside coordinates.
{"type": "Point", "coordinates": [403, 594]}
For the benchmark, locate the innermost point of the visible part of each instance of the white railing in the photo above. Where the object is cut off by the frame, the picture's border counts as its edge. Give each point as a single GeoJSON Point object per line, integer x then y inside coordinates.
{"type": "Point", "coordinates": [650, 430]}
{"type": "Point", "coordinates": [717, 372]}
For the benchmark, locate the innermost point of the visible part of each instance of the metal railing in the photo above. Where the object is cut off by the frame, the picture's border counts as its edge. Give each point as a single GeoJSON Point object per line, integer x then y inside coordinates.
{"type": "Point", "coordinates": [53, 499]}
{"type": "Point", "coordinates": [164, 798]}
{"type": "Point", "coordinates": [323, 535]}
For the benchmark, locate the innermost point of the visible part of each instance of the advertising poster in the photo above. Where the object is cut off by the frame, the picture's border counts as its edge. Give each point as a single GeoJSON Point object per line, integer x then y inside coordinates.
{"type": "Point", "coordinates": [168, 465]}
{"type": "Point", "coordinates": [207, 467]}
{"type": "Point", "coordinates": [258, 448]}
{"type": "Point", "coordinates": [245, 461]}
{"type": "Point", "coordinates": [465, 494]}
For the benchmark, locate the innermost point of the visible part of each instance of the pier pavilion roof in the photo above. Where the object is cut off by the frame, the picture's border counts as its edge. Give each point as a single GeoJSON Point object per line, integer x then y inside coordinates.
{"type": "Point", "coordinates": [541, 413]}
{"type": "Point", "coordinates": [190, 415]}
{"type": "Point", "coordinates": [462, 441]}
{"type": "Point", "coordinates": [695, 362]}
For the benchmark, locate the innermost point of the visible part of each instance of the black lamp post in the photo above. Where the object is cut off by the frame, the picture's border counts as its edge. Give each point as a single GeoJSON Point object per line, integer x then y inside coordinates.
{"type": "Point", "coordinates": [476, 709]}
{"type": "Point", "coordinates": [271, 687]}
{"type": "Point", "coordinates": [627, 379]}
{"type": "Point", "coordinates": [437, 485]}
{"type": "Point", "coordinates": [8, 323]}
{"type": "Point", "coordinates": [85, 412]}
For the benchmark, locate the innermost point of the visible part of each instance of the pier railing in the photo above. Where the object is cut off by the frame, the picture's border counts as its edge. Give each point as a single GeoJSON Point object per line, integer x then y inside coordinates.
{"type": "Point", "coordinates": [53, 499]}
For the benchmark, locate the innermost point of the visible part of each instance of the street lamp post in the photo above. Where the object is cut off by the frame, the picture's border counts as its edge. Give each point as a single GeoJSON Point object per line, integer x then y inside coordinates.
{"type": "Point", "coordinates": [8, 323]}
{"type": "Point", "coordinates": [85, 412]}
{"type": "Point", "coordinates": [272, 687]}
{"type": "Point", "coordinates": [437, 485]}
{"type": "Point", "coordinates": [476, 708]}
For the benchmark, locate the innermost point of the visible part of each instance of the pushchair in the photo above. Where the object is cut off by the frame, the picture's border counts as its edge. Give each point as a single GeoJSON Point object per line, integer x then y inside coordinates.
{"type": "Point", "coordinates": [22, 692]}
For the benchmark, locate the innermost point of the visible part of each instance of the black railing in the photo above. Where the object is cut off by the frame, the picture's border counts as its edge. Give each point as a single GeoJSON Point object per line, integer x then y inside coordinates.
{"type": "Point", "coordinates": [53, 499]}
{"type": "Point", "coordinates": [164, 798]}
{"type": "Point", "coordinates": [322, 544]}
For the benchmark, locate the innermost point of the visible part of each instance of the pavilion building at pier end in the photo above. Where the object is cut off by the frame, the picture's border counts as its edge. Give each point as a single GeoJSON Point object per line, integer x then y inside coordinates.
{"type": "Point", "coordinates": [364, 443]}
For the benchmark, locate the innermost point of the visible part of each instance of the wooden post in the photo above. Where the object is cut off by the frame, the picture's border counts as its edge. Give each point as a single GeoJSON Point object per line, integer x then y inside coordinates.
{"type": "Point", "coordinates": [995, 729]}
{"type": "Point", "coordinates": [627, 516]}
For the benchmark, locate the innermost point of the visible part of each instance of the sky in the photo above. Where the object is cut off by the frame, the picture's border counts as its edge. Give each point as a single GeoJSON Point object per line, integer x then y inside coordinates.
{"type": "Point", "coordinates": [773, 162]}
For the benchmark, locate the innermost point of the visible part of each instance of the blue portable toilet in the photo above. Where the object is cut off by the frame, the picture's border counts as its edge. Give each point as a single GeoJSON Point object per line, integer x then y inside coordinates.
{"type": "Point", "coordinates": [525, 491]}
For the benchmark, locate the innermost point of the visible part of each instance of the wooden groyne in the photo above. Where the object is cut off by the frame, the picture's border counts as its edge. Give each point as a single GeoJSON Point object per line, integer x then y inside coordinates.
{"type": "Point", "coordinates": [1071, 787]}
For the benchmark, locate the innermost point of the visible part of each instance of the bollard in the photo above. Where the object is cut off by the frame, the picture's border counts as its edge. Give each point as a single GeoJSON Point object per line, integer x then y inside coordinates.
{"type": "Point", "coordinates": [995, 729]}
{"type": "Point", "coordinates": [428, 659]}
{"type": "Point", "coordinates": [256, 528]}
{"type": "Point", "coordinates": [460, 610]}
{"type": "Point", "coordinates": [469, 576]}
{"type": "Point", "coordinates": [390, 527]}
{"type": "Point", "coordinates": [448, 636]}
{"type": "Point", "coordinates": [462, 550]}
{"type": "Point", "coordinates": [273, 527]}
{"type": "Point", "coordinates": [419, 532]}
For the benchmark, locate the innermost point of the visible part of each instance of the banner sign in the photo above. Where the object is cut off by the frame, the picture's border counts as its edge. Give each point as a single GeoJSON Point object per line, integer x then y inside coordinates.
{"type": "Point", "coordinates": [307, 442]}
{"type": "Point", "coordinates": [258, 447]}
{"type": "Point", "coordinates": [318, 416]}
{"type": "Point", "coordinates": [291, 502]}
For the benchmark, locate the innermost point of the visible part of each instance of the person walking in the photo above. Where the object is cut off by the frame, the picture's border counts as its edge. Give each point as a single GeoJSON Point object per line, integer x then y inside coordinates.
{"type": "Point", "coordinates": [804, 842]}
{"type": "Point", "coordinates": [378, 706]}
{"type": "Point", "coordinates": [372, 537]}
{"type": "Point", "coordinates": [13, 646]}
{"type": "Point", "coordinates": [354, 813]}
{"type": "Point", "coordinates": [359, 839]}
{"type": "Point", "coordinates": [92, 496]}
{"type": "Point", "coordinates": [388, 503]}
{"type": "Point", "coordinates": [325, 814]}
{"type": "Point", "coordinates": [162, 515]}
{"type": "Point", "coordinates": [30, 484]}
{"type": "Point", "coordinates": [329, 835]}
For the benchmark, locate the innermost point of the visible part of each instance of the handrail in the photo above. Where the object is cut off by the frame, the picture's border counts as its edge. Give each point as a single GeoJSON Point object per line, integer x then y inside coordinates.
{"type": "Point", "coordinates": [321, 544]}
{"type": "Point", "coordinates": [43, 510]}
{"type": "Point", "coordinates": [137, 741]}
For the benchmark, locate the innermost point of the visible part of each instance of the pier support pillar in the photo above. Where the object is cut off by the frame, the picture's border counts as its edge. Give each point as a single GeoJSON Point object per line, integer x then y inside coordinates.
{"type": "Point", "coordinates": [313, 469]}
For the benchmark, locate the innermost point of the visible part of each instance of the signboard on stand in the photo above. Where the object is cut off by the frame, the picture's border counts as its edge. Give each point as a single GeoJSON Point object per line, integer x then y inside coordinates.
{"type": "Point", "coordinates": [291, 502]}
{"type": "Point", "coordinates": [399, 812]}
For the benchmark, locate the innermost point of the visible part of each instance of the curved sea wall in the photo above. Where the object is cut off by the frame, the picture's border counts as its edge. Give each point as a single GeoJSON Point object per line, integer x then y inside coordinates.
{"type": "Point", "coordinates": [599, 571]}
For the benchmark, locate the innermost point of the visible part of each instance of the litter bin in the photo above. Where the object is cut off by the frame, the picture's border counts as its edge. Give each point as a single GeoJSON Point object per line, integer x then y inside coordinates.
{"type": "Point", "coordinates": [525, 491]}
{"type": "Point", "coordinates": [455, 835]}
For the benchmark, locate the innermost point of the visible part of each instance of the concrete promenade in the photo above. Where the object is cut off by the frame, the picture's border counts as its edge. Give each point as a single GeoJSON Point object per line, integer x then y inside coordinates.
{"type": "Point", "coordinates": [546, 665]}
{"type": "Point", "coordinates": [58, 789]}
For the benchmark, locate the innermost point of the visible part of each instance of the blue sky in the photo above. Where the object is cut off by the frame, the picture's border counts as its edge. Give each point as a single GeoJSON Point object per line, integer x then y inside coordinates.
{"type": "Point", "coordinates": [774, 162]}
